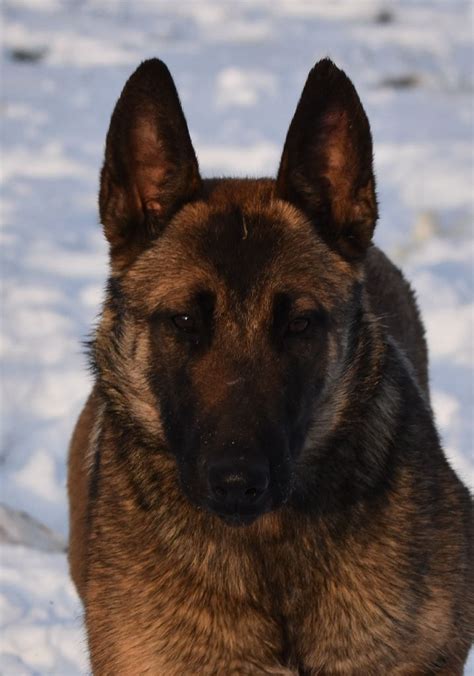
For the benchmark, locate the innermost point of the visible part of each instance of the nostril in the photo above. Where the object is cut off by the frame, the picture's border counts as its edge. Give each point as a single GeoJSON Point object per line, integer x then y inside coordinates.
{"type": "Point", "coordinates": [252, 492]}
{"type": "Point", "coordinates": [219, 491]}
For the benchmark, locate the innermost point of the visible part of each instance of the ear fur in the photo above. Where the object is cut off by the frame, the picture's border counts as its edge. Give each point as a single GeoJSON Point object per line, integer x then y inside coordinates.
{"type": "Point", "coordinates": [150, 168]}
{"type": "Point", "coordinates": [326, 166]}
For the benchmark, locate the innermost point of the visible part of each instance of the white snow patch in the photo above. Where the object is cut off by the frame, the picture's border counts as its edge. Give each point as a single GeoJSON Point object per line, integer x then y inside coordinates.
{"type": "Point", "coordinates": [40, 464]}
{"type": "Point", "coordinates": [41, 632]}
{"type": "Point", "coordinates": [243, 87]}
{"type": "Point", "coordinates": [49, 161]}
{"type": "Point", "coordinates": [261, 158]}
{"type": "Point", "coordinates": [451, 333]}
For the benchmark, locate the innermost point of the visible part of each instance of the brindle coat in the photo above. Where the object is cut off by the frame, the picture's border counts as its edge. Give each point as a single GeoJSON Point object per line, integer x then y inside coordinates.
{"type": "Point", "coordinates": [253, 318]}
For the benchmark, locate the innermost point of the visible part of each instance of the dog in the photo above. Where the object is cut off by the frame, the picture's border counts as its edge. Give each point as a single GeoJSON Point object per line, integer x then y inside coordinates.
{"type": "Point", "coordinates": [256, 482]}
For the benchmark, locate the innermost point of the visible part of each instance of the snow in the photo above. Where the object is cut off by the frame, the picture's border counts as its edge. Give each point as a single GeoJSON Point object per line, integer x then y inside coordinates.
{"type": "Point", "coordinates": [41, 625]}
{"type": "Point", "coordinates": [240, 68]}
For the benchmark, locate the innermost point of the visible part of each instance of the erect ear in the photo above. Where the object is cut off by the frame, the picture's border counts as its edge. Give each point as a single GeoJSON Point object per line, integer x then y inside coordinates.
{"type": "Point", "coordinates": [326, 167]}
{"type": "Point", "coordinates": [150, 168]}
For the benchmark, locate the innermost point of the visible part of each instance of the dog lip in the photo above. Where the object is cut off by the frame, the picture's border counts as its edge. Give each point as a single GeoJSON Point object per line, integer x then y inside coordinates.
{"type": "Point", "coordinates": [237, 520]}
{"type": "Point", "coordinates": [237, 517]}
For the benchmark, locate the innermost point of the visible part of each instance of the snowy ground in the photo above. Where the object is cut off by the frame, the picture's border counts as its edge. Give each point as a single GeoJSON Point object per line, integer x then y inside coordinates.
{"type": "Point", "coordinates": [240, 67]}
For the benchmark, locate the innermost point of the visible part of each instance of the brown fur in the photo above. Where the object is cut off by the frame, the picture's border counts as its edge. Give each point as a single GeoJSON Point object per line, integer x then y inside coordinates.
{"type": "Point", "coordinates": [363, 567]}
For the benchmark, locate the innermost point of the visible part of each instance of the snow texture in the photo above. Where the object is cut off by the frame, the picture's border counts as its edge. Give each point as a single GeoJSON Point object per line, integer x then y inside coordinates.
{"type": "Point", "coordinates": [240, 68]}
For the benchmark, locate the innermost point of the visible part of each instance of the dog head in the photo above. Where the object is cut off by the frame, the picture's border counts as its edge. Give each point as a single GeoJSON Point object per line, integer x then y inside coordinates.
{"type": "Point", "coordinates": [230, 301]}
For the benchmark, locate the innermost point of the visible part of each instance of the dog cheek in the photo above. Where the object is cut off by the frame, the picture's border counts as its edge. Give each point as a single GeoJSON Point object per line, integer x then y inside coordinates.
{"type": "Point", "coordinates": [304, 381]}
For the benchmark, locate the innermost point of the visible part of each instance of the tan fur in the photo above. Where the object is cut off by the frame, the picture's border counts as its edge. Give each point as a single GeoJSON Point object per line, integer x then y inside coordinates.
{"type": "Point", "coordinates": [211, 594]}
{"type": "Point", "coordinates": [207, 595]}
{"type": "Point", "coordinates": [360, 566]}
{"type": "Point", "coordinates": [81, 449]}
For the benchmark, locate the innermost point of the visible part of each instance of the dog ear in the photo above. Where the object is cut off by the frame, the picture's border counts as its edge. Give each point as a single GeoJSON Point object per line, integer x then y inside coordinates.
{"type": "Point", "coordinates": [150, 167]}
{"type": "Point", "coordinates": [326, 166]}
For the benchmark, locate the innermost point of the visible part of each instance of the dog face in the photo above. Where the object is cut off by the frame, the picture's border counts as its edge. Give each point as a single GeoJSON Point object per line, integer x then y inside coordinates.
{"type": "Point", "coordinates": [240, 308]}
{"type": "Point", "coordinates": [230, 302]}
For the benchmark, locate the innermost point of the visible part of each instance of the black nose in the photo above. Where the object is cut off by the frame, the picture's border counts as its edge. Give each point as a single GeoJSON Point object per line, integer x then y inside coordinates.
{"type": "Point", "coordinates": [237, 486]}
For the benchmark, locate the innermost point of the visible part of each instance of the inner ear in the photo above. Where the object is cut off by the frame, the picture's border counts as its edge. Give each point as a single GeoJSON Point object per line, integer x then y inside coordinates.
{"type": "Point", "coordinates": [326, 167]}
{"type": "Point", "coordinates": [150, 168]}
{"type": "Point", "coordinates": [150, 175]}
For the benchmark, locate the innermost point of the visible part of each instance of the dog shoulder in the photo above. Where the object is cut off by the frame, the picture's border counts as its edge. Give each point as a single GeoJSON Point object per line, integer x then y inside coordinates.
{"type": "Point", "coordinates": [80, 471]}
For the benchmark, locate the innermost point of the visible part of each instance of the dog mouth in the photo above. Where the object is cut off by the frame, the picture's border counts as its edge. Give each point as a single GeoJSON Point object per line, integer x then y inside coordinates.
{"type": "Point", "coordinates": [236, 516]}
{"type": "Point", "coordinates": [238, 520]}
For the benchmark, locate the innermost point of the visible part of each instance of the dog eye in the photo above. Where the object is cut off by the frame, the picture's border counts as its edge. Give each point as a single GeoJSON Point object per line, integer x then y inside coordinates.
{"type": "Point", "coordinates": [184, 323]}
{"type": "Point", "coordinates": [298, 325]}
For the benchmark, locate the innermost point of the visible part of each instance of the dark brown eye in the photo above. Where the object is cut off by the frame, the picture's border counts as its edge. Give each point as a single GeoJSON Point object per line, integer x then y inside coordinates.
{"type": "Point", "coordinates": [184, 323]}
{"type": "Point", "coordinates": [298, 325]}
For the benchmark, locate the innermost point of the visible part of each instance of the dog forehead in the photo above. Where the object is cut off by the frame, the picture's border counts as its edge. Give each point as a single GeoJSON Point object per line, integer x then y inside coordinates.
{"type": "Point", "coordinates": [242, 238]}
{"type": "Point", "coordinates": [239, 249]}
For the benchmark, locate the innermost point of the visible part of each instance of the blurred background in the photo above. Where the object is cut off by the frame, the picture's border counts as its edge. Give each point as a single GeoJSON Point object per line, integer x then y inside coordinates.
{"type": "Point", "coordinates": [239, 67]}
